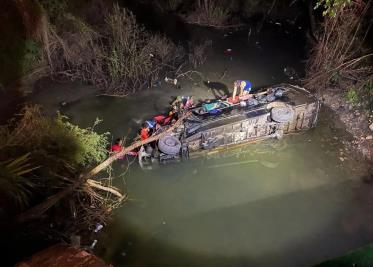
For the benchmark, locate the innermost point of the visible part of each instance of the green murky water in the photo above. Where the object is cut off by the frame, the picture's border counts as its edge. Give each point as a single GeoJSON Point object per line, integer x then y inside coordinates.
{"type": "Point", "coordinates": [292, 202]}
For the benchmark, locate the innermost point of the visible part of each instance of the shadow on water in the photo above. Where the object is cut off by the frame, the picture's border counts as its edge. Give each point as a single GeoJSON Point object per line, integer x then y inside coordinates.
{"type": "Point", "coordinates": [218, 89]}
{"type": "Point", "coordinates": [157, 20]}
{"type": "Point", "coordinates": [276, 231]}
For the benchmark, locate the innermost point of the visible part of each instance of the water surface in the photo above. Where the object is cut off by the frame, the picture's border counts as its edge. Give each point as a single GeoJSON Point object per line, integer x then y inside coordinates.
{"type": "Point", "coordinates": [292, 202]}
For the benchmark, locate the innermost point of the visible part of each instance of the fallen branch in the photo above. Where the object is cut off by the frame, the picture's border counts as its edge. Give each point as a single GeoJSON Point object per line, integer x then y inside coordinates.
{"type": "Point", "coordinates": [39, 209]}
{"type": "Point", "coordinates": [112, 190]}
{"type": "Point", "coordinates": [135, 145]}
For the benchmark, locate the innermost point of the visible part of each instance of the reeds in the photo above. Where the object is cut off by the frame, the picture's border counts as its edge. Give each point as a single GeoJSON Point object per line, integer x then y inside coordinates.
{"type": "Point", "coordinates": [120, 56]}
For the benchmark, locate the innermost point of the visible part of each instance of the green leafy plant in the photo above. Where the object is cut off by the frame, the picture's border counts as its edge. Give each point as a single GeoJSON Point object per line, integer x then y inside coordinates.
{"type": "Point", "coordinates": [352, 96]}
{"type": "Point", "coordinates": [331, 7]}
{"type": "Point", "coordinates": [90, 147]}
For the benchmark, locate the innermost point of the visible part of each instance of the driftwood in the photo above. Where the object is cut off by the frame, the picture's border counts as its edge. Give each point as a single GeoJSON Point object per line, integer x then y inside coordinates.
{"type": "Point", "coordinates": [39, 209]}
{"type": "Point", "coordinates": [111, 190]}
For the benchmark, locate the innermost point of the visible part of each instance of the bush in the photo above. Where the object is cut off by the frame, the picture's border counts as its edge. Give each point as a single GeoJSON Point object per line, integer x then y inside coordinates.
{"type": "Point", "coordinates": [37, 151]}
{"type": "Point", "coordinates": [209, 13]}
{"type": "Point", "coordinates": [90, 146]}
{"type": "Point", "coordinates": [120, 57]}
{"type": "Point", "coordinates": [352, 96]}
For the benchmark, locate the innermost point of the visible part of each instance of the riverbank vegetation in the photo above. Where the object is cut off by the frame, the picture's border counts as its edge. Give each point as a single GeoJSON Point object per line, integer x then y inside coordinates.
{"type": "Point", "coordinates": [42, 156]}
{"type": "Point", "coordinates": [341, 57]}
{"type": "Point", "coordinates": [116, 54]}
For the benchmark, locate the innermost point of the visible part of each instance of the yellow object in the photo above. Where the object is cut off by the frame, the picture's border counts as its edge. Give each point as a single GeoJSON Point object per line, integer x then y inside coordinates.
{"type": "Point", "coordinates": [242, 86]}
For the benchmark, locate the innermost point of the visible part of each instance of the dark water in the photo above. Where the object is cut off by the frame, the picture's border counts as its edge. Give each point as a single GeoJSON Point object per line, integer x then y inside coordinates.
{"type": "Point", "coordinates": [293, 202]}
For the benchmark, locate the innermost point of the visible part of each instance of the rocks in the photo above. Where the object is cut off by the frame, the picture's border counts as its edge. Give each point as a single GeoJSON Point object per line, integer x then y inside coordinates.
{"type": "Point", "coordinates": [371, 127]}
{"type": "Point", "coordinates": [369, 137]}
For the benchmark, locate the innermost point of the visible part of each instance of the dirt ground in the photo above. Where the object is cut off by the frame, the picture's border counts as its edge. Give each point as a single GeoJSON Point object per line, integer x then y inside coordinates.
{"type": "Point", "coordinates": [356, 123]}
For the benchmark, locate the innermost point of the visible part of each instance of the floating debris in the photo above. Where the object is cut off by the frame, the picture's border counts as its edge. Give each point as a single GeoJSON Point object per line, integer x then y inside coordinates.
{"type": "Point", "coordinates": [290, 72]}
{"type": "Point", "coordinates": [171, 81]}
{"type": "Point", "coordinates": [93, 244]}
{"type": "Point", "coordinates": [98, 227]}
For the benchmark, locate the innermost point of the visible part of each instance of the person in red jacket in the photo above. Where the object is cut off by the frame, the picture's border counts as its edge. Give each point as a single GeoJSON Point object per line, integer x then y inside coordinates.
{"type": "Point", "coordinates": [117, 146]}
{"type": "Point", "coordinates": [144, 132]}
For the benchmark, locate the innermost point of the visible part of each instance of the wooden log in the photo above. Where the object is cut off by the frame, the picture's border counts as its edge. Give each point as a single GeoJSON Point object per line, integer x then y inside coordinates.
{"type": "Point", "coordinates": [111, 190]}
{"type": "Point", "coordinates": [39, 209]}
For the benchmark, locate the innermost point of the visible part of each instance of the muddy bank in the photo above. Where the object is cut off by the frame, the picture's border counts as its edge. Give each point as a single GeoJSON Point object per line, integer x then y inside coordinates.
{"type": "Point", "coordinates": [355, 122]}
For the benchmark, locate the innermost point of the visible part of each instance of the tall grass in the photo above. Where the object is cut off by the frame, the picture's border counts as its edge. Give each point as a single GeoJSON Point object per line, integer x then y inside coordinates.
{"type": "Point", "coordinates": [119, 56]}
{"type": "Point", "coordinates": [210, 13]}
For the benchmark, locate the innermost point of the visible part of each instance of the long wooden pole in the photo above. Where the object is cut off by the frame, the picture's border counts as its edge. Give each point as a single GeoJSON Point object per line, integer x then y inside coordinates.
{"type": "Point", "coordinates": [39, 209]}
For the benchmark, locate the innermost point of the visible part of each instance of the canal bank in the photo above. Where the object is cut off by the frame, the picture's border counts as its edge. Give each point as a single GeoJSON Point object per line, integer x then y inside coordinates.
{"type": "Point", "coordinates": [357, 122]}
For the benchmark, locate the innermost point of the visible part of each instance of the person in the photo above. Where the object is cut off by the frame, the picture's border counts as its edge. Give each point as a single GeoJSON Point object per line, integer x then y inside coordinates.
{"type": "Point", "coordinates": [151, 123]}
{"type": "Point", "coordinates": [243, 85]}
{"type": "Point", "coordinates": [189, 102]}
{"type": "Point", "coordinates": [177, 103]}
{"type": "Point", "coordinates": [144, 132]}
{"type": "Point", "coordinates": [117, 146]}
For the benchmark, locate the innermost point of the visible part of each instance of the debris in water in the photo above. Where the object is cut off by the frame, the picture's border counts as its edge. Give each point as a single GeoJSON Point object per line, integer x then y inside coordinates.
{"type": "Point", "coordinates": [93, 244]}
{"type": "Point", "coordinates": [228, 52]}
{"type": "Point", "coordinates": [278, 23]}
{"type": "Point", "coordinates": [171, 81]}
{"type": "Point", "coordinates": [137, 121]}
{"type": "Point", "coordinates": [98, 227]}
{"type": "Point", "coordinates": [290, 72]}
{"type": "Point", "coordinates": [163, 222]}
{"type": "Point", "coordinates": [123, 253]}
